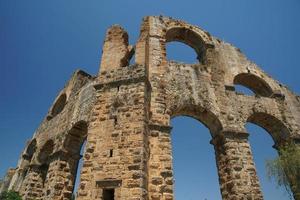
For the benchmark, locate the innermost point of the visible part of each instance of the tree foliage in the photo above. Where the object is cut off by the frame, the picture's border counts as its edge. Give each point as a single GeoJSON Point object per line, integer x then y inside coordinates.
{"type": "Point", "coordinates": [285, 169]}
{"type": "Point", "coordinates": [10, 195]}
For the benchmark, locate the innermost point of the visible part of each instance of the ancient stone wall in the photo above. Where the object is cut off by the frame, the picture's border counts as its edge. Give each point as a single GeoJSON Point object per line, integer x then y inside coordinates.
{"type": "Point", "coordinates": [47, 167]}
{"type": "Point", "coordinates": [124, 116]}
{"type": "Point", "coordinates": [4, 184]}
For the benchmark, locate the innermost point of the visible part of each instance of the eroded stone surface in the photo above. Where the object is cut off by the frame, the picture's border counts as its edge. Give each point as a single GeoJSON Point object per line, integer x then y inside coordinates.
{"type": "Point", "coordinates": [124, 115]}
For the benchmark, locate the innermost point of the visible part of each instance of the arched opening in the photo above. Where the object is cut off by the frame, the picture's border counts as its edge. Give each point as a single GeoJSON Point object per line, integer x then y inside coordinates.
{"type": "Point", "coordinates": [278, 131]}
{"type": "Point", "coordinates": [75, 145]}
{"type": "Point", "coordinates": [254, 83]}
{"type": "Point", "coordinates": [266, 132]}
{"type": "Point", "coordinates": [79, 167]}
{"type": "Point", "coordinates": [188, 37]}
{"type": "Point", "coordinates": [46, 151]}
{"type": "Point", "coordinates": [194, 164]}
{"type": "Point", "coordinates": [179, 52]}
{"type": "Point", "coordinates": [27, 156]}
{"type": "Point", "coordinates": [58, 105]}
{"type": "Point", "coordinates": [75, 138]}
{"type": "Point", "coordinates": [240, 89]}
{"type": "Point", "coordinates": [205, 116]}
{"type": "Point", "coordinates": [30, 151]}
{"type": "Point", "coordinates": [44, 159]}
{"type": "Point", "coordinates": [132, 60]}
{"type": "Point", "coordinates": [261, 146]}
{"type": "Point", "coordinates": [131, 57]}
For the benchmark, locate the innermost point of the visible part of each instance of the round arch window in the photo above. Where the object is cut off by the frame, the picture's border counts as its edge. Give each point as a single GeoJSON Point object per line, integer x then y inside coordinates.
{"type": "Point", "coordinates": [256, 84]}
{"type": "Point", "coordinates": [188, 37]}
{"type": "Point", "coordinates": [59, 105]}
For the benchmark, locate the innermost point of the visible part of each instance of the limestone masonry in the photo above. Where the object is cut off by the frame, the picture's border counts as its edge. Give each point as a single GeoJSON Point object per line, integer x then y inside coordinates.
{"type": "Point", "coordinates": [124, 113]}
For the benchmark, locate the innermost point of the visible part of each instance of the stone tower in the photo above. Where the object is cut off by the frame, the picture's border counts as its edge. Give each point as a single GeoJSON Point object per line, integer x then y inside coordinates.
{"type": "Point", "coordinates": [124, 113]}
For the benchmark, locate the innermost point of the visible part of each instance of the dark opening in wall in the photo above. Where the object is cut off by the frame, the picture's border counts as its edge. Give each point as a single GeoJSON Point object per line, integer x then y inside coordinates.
{"type": "Point", "coordinates": [44, 171]}
{"type": "Point", "coordinates": [30, 150]}
{"type": "Point", "coordinates": [115, 120]}
{"type": "Point", "coordinates": [24, 173]}
{"type": "Point", "coordinates": [58, 106]}
{"type": "Point", "coordinates": [111, 152]}
{"type": "Point", "coordinates": [108, 194]}
{"type": "Point", "coordinates": [76, 137]}
{"type": "Point", "coordinates": [44, 158]}
{"type": "Point", "coordinates": [46, 151]}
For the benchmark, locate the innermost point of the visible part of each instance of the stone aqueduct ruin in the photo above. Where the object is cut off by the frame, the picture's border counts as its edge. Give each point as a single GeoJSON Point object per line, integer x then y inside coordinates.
{"type": "Point", "coordinates": [124, 115]}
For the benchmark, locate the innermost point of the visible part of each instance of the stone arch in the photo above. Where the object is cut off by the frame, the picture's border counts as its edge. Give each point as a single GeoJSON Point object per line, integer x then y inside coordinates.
{"type": "Point", "coordinates": [30, 150]}
{"type": "Point", "coordinates": [58, 164]}
{"type": "Point", "coordinates": [204, 116]}
{"type": "Point", "coordinates": [58, 105]}
{"type": "Point", "coordinates": [24, 165]}
{"type": "Point", "coordinates": [274, 126]}
{"type": "Point", "coordinates": [28, 156]}
{"type": "Point", "coordinates": [198, 136]}
{"type": "Point", "coordinates": [276, 134]}
{"type": "Point", "coordinates": [256, 84]}
{"type": "Point", "coordinates": [73, 144]}
{"type": "Point", "coordinates": [161, 146]}
{"type": "Point", "coordinates": [45, 152]}
{"type": "Point", "coordinates": [76, 137]}
{"type": "Point", "coordinates": [44, 159]}
{"type": "Point", "coordinates": [188, 37]}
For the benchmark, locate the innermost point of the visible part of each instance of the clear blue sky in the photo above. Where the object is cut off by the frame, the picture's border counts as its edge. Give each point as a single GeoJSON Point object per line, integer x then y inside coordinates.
{"type": "Point", "coordinates": [43, 42]}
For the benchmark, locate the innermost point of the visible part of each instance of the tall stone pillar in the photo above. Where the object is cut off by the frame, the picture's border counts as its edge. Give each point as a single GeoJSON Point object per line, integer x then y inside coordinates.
{"type": "Point", "coordinates": [7, 180]}
{"type": "Point", "coordinates": [61, 176]}
{"type": "Point", "coordinates": [237, 174]}
{"type": "Point", "coordinates": [160, 168]}
{"type": "Point", "coordinates": [116, 51]}
{"type": "Point", "coordinates": [32, 187]}
{"type": "Point", "coordinates": [115, 160]}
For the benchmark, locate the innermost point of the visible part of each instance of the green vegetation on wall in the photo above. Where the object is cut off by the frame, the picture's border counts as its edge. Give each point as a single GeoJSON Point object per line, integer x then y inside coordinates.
{"type": "Point", "coordinates": [10, 195]}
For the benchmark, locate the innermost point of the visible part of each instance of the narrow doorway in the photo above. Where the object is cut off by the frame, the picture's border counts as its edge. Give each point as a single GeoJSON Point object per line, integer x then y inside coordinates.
{"type": "Point", "coordinates": [108, 194]}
